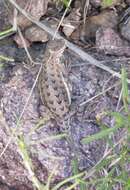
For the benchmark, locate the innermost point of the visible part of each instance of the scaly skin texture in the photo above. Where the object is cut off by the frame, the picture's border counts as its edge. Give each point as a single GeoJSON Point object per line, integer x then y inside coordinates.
{"type": "Point", "coordinates": [53, 81]}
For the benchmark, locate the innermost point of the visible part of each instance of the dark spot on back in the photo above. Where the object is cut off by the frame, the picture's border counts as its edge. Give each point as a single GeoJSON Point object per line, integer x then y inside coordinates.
{"type": "Point", "coordinates": [61, 81]}
{"type": "Point", "coordinates": [54, 109]}
{"type": "Point", "coordinates": [55, 88]}
{"type": "Point", "coordinates": [59, 101]}
{"type": "Point", "coordinates": [57, 95]}
{"type": "Point", "coordinates": [47, 86]}
{"type": "Point", "coordinates": [48, 94]}
{"type": "Point", "coordinates": [54, 81]}
{"type": "Point", "coordinates": [46, 78]}
{"type": "Point", "coordinates": [62, 108]}
{"type": "Point", "coordinates": [52, 75]}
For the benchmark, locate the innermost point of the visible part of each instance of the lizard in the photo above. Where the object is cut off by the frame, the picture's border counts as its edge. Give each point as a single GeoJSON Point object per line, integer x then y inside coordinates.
{"type": "Point", "coordinates": [53, 84]}
{"type": "Point", "coordinates": [55, 90]}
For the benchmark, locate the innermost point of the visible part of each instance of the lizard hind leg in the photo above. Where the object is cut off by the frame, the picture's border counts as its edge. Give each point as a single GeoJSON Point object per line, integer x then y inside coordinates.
{"type": "Point", "coordinates": [45, 114]}
{"type": "Point", "coordinates": [64, 125]}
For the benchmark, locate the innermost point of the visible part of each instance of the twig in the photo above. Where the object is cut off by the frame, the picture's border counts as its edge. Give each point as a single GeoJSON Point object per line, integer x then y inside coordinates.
{"type": "Point", "coordinates": [30, 94]}
{"type": "Point", "coordinates": [97, 95]}
{"type": "Point", "coordinates": [85, 56]}
{"type": "Point", "coordinates": [12, 30]}
{"type": "Point", "coordinates": [62, 19]}
{"type": "Point", "coordinates": [25, 46]}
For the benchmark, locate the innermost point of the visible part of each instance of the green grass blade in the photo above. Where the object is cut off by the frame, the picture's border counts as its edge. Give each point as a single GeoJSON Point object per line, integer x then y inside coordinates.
{"type": "Point", "coordinates": [99, 135]}
{"type": "Point", "coordinates": [7, 32]}
{"type": "Point", "coordinates": [107, 3]}
{"type": "Point", "coordinates": [28, 163]}
{"type": "Point", "coordinates": [120, 120]}
{"type": "Point", "coordinates": [68, 180]}
{"type": "Point", "coordinates": [2, 57]}
{"type": "Point", "coordinates": [76, 171]}
{"type": "Point", "coordinates": [125, 95]}
{"type": "Point", "coordinates": [65, 2]}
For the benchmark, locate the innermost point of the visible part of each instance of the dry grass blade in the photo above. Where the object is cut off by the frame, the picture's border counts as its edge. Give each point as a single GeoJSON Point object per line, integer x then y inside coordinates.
{"type": "Point", "coordinates": [85, 10]}
{"type": "Point", "coordinates": [25, 46]}
{"type": "Point", "coordinates": [125, 91]}
{"type": "Point", "coordinates": [12, 30]}
{"type": "Point", "coordinates": [69, 3]}
{"type": "Point", "coordinates": [66, 87]}
{"type": "Point", "coordinates": [68, 180]}
{"type": "Point", "coordinates": [28, 163]}
{"type": "Point", "coordinates": [100, 94]}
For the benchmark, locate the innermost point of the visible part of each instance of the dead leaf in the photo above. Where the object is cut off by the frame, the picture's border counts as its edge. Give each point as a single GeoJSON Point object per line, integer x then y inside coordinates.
{"type": "Point", "coordinates": [71, 22]}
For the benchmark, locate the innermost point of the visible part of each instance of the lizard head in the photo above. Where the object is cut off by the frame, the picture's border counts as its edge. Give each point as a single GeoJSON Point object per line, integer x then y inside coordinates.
{"type": "Point", "coordinates": [56, 47]}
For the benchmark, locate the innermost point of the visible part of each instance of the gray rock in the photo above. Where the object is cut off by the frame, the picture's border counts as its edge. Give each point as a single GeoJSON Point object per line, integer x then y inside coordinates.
{"type": "Point", "coordinates": [127, 2]}
{"type": "Point", "coordinates": [96, 3]}
{"type": "Point", "coordinates": [125, 29]}
{"type": "Point", "coordinates": [109, 42]}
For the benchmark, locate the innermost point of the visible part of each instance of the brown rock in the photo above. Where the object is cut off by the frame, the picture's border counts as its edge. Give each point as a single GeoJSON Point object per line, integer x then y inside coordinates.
{"type": "Point", "coordinates": [35, 8]}
{"type": "Point", "coordinates": [78, 3]}
{"type": "Point", "coordinates": [96, 3]}
{"type": "Point", "coordinates": [125, 25]}
{"type": "Point", "coordinates": [107, 18]}
{"type": "Point", "coordinates": [125, 30]}
{"type": "Point", "coordinates": [36, 34]}
{"type": "Point", "coordinates": [20, 42]}
{"type": "Point", "coordinates": [76, 34]}
{"type": "Point", "coordinates": [127, 2]}
{"type": "Point", "coordinates": [108, 41]}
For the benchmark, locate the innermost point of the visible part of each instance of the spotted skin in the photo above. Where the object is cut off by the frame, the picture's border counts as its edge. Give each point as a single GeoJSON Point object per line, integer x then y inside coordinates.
{"type": "Point", "coordinates": [53, 81]}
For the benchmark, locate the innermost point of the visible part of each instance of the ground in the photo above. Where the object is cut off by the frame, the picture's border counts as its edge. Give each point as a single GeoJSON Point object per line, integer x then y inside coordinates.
{"type": "Point", "coordinates": [17, 79]}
